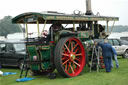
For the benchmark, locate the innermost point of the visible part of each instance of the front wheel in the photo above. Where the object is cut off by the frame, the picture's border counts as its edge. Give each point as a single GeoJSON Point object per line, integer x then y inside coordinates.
{"type": "Point", "coordinates": [21, 64]}
{"type": "Point", "coordinates": [69, 57]}
{"type": "Point", "coordinates": [125, 55]}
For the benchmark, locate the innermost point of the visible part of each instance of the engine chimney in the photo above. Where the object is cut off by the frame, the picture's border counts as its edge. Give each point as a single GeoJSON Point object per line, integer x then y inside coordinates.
{"type": "Point", "coordinates": [88, 8]}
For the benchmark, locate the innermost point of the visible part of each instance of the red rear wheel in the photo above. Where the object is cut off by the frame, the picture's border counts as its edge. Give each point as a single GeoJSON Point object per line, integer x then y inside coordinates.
{"type": "Point", "coordinates": [69, 57]}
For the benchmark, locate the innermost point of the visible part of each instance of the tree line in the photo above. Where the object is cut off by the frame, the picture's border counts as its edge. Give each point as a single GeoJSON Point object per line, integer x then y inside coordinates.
{"type": "Point", "coordinates": [120, 28]}
{"type": "Point", "coordinates": [6, 26]}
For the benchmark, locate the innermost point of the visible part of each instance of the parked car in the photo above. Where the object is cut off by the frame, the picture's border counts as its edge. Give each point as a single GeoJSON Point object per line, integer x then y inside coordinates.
{"type": "Point", "coordinates": [121, 47]}
{"type": "Point", "coordinates": [12, 53]}
{"type": "Point", "coordinates": [124, 38]}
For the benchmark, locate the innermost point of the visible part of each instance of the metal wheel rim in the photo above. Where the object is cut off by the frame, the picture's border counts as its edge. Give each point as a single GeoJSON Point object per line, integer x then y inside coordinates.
{"type": "Point", "coordinates": [73, 57]}
{"type": "Point", "coordinates": [126, 54]}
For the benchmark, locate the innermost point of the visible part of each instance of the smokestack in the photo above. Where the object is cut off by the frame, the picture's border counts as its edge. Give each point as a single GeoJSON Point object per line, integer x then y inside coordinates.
{"type": "Point", "coordinates": [88, 8]}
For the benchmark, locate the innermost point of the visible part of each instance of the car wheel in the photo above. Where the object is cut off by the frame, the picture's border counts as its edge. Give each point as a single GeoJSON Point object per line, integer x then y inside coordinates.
{"type": "Point", "coordinates": [21, 64]}
{"type": "Point", "coordinates": [125, 55]}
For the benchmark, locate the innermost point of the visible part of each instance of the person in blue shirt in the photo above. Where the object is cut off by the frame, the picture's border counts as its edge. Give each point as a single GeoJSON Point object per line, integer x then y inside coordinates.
{"type": "Point", "coordinates": [107, 53]}
{"type": "Point", "coordinates": [115, 57]}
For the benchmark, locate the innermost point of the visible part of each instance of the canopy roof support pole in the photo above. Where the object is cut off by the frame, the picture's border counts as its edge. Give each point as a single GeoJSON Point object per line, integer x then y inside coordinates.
{"type": "Point", "coordinates": [26, 27]}
{"type": "Point", "coordinates": [23, 31]}
{"type": "Point", "coordinates": [44, 25]}
{"type": "Point", "coordinates": [107, 27]}
{"type": "Point", "coordinates": [92, 28]}
{"type": "Point", "coordinates": [74, 26]}
{"type": "Point", "coordinates": [112, 26]}
{"type": "Point", "coordinates": [38, 30]}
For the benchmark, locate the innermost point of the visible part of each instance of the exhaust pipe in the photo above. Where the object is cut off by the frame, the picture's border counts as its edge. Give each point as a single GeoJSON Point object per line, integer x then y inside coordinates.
{"type": "Point", "coordinates": [88, 8]}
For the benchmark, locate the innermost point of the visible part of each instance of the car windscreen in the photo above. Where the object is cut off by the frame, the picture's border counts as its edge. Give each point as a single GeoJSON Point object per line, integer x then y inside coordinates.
{"type": "Point", "coordinates": [19, 47]}
{"type": "Point", "coordinates": [124, 42]}
{"type": "Point", "coordinates": [99, 40]}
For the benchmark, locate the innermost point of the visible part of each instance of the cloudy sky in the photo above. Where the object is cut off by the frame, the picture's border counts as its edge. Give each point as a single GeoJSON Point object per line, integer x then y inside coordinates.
{"type": "Point", "coordinates": [104, 7]}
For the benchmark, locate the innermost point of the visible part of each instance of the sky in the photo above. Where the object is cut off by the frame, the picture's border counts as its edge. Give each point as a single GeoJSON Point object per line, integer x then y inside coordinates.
{"type": "Point", "coordinates": [116, 8]}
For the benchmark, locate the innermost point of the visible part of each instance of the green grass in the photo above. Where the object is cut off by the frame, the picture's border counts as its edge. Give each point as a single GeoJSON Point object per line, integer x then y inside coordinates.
{"type": "Point", "coordinates": [116, 77]}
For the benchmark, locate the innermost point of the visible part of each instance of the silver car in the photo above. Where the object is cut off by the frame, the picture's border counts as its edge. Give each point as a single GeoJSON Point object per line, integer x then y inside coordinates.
{"type": "Point", "coordinates": [121, 47]}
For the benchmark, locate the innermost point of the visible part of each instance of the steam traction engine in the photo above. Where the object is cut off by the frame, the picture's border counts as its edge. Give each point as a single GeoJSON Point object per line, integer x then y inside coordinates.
{"type": "Point", "coordinates": [64, 46]}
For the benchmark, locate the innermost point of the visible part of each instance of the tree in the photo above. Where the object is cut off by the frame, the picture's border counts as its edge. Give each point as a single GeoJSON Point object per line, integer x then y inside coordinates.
{"type": "Point", "coordinates": [6, 26]}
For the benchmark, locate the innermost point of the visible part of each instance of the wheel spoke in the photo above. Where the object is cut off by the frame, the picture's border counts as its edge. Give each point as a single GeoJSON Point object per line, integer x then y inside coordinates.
{"type": "Point", "coordinates": [76, 50]}
{"type": "Point", "coordinates": [72, 47]}
{"type": "Point", "coordinates": [76, 63]}
{"type": "Point", "coordinates": [77, 59]}
{"type": "Point", "coordinates": [69, 66]}
{"type": "Point", "coordinates": [75, 46]}
{"type": "Point", "coordinates": [63, 58]}
{"type": "Point", "coordinates": [73, 65]}
{"type": "Point", "coordinates": [78, 54]}
{"type": "Point", "coordinates": [64, 54]}
{"type": "Point", "coordinates": [65, 62]}
{"type": "Point", "coordinates": [72, 69]}
{"type": "Point", "coordinates": [67, 48]}
{"type": "Point", "coordinates": [66, 67]}
{"type": "Point", "coordinates": [69, 43]}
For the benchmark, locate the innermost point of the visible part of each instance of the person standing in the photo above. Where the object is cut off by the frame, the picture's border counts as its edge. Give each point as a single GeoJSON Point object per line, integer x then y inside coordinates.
{"type": "Point", "coordinates": [115, 58]}
{"type": "Point", "coordinates": [107, 53]}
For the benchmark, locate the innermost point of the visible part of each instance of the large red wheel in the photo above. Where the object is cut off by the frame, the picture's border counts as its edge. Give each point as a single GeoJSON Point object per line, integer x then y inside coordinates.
{"type": "Point", "coordinates": [69, 57]}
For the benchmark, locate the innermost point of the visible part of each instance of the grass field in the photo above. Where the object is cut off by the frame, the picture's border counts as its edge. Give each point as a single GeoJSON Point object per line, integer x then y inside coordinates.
{"type": "Point", "coordinates": [116, 77]}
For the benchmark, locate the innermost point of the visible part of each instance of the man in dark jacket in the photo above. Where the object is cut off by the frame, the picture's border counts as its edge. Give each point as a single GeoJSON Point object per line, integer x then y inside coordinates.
{"type": "Point", "coordinates": [107, 53]}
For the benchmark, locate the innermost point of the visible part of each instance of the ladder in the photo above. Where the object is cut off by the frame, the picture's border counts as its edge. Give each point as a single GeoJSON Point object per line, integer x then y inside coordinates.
{"type": "Point", "coordinates": [95, 58]}
{"type": "Point", "coordinates": [24, 68]}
